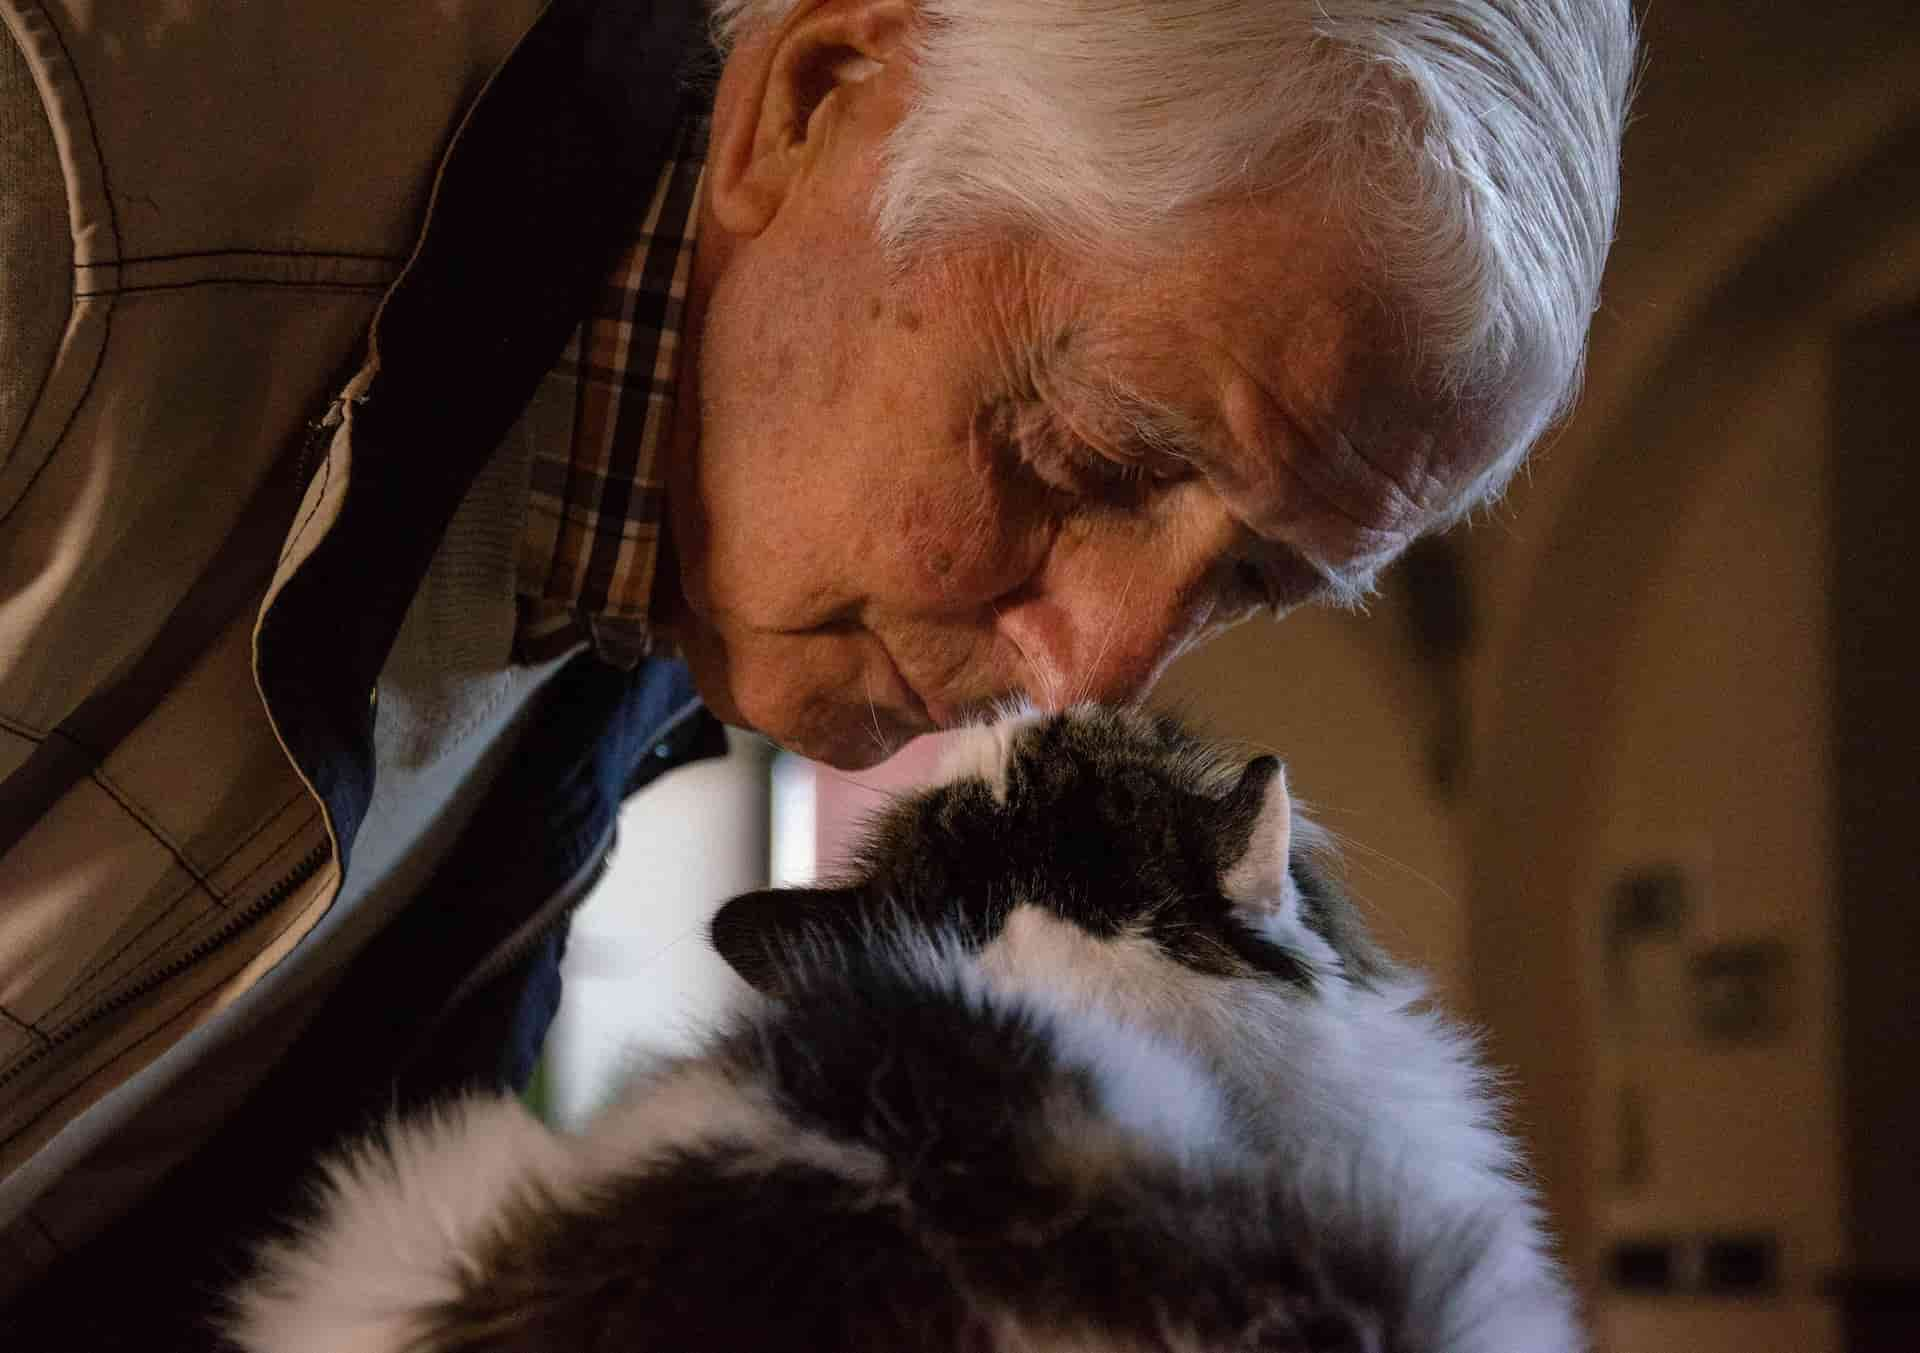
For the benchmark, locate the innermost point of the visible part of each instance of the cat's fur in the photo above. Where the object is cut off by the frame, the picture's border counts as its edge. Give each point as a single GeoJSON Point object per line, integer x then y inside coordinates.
{"type": "Point", "coordinates": [1088, 1055]}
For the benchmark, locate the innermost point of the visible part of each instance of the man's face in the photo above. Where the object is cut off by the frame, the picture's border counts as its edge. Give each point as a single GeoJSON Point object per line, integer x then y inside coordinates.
{"type": "Point", "coordinates": [1010, 470]}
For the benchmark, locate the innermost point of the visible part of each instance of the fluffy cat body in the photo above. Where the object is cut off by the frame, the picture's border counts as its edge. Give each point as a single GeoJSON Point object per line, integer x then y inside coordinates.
{"type": "Point", "coordinates": [1087, 1055]}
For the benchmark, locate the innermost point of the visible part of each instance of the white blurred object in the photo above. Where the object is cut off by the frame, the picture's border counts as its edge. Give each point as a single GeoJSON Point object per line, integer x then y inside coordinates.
{"type": "Point", "coordinates": [640, 976]}
{"type": "Point", "coordinates": [795, 818]}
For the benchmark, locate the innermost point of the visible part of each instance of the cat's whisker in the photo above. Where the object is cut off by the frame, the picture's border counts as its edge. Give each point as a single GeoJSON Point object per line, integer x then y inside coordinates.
{"type": "Point", "coordinates": [1092, 672]}
{"type": "Point", "coordinates": [1043, 676]}
{"type": "Point", "coordinates": [1350, 847]}
{"type": "Point", "coordinates": [1255, 747]}
{"type": "Point", "coordinates": [1317, 812]}
{"type": "Point", "coordinates": [847, 777]}
{"type": "Point", "coordinates": [657, 954]}
{"type": "Point", "coordinates": [873, 715]}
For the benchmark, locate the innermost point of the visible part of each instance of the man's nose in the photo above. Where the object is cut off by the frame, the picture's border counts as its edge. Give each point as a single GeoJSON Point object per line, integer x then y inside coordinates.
{"type": "Point", "coordinates": [1108, 647]}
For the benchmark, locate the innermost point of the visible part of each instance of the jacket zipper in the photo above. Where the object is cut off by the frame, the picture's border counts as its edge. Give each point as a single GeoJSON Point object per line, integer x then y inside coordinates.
{"type": "Point", "coordinates": [237, 924]}
{"type": "Point", "coordinates": [318, 432]}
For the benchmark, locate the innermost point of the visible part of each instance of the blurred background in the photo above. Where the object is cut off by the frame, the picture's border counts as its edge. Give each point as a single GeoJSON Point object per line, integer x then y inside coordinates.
{"type": "Point", "coordinates": [1629, 765]}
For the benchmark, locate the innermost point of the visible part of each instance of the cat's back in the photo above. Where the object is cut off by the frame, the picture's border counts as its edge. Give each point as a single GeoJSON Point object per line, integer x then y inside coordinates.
{"type": "Point", "coordinates": [904, 1157]}
{"type": "Point", "coordinates": [1083, 1054]}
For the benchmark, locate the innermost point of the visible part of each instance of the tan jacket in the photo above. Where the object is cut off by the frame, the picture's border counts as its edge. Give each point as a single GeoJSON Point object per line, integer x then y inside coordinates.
{"type": "Point", "coordinates": [279, 279]}
{"type": "Point", "coordinates": [204, 206]}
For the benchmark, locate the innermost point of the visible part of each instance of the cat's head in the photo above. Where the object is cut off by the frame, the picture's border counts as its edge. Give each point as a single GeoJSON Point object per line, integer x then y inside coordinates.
{"type": "Point", "coordinates": [1094, 826]}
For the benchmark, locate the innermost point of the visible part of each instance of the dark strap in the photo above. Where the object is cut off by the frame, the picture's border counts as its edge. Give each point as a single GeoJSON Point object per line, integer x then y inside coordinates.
{"type": "Point", "coordinates": [236, 576]}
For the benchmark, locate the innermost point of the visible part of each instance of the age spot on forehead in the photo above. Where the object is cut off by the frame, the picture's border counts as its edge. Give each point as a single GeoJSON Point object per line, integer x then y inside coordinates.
{"type": "Point", "coordinates": [903, 317]}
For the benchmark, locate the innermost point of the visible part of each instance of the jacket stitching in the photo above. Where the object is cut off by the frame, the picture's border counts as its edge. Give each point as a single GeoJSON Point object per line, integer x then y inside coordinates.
{"type": "Point", "coordinates": [26, 731]}
{"type": "Point", "coordinates": [319, 496]}
{"type": "Point", "coordinates": [253, 835]}
{"type": "Point", "coordinates": [46, 1232]}
{"type": "Point", "coordinates": [106, 319]}
{"type": "Point", "coordinates": [147, 1037]}
{"type": "Point", "coordinates": [284, 284]}
{"type": "Point", "coordinates": [246, 253]}
{"type": "Point", "coordinates": [140, 815]}
{"type": "Point", "coordinates": [84, 984]}
{"type": "Point", "coordinates": [28, 1025]}
{"type": "Point", "coordinates": [60, 441]}
{"type": "Point", "coordinates": [90, 978]}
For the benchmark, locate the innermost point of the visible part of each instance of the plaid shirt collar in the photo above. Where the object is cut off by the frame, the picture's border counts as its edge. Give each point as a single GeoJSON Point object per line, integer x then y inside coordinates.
{"type": "Point", "coordinates": [592, 538]}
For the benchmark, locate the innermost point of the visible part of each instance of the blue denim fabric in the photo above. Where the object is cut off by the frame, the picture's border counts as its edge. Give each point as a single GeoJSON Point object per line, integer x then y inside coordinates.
{"type": "Point", "coordinates": [598, 735]}
{"type": "Point", "coordinates": [534, 1013]}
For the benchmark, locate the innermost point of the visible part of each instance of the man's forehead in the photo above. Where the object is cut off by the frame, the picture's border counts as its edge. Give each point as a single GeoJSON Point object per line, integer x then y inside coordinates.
{"type": "Point", "coordinates": [1359, 451]}
{"type": "Point", "coordinates": [1261, 348]}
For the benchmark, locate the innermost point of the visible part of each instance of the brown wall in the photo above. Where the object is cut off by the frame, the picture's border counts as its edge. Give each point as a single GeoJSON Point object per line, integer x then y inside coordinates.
{"type": "Point", "coordinates": [1657, 666]}
{"type": "Point", "coordinates": [1652, 681]}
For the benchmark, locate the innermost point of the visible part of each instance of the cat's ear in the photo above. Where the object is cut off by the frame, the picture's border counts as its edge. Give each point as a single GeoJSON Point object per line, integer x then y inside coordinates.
{"type": "Point", "coordinates": [1257, 827]}
{"type": "Point", "coordinates": [764, 935]}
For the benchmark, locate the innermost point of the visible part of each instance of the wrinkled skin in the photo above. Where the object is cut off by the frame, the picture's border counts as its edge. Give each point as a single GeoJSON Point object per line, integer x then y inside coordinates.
{"type": "Point", "coordinates": [897, 495]}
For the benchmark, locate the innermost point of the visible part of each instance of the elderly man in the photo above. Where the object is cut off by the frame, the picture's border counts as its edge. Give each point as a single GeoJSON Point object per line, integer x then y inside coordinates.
{"type": "Point", "coordinates": [410, 417]}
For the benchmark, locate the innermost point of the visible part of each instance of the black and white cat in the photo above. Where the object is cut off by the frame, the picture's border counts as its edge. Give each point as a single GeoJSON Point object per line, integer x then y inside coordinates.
{"type": "Point", "coordinates": [1088, 1054]}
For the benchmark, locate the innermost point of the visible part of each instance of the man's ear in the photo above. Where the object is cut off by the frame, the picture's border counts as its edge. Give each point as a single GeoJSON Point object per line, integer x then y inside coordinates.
{"type": "Point", "coordinates": [763, 935]}
{"type": "Point", "coordinates": [785, 93]}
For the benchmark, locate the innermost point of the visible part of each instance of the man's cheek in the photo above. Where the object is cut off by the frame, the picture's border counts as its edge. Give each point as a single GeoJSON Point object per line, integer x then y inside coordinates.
{"type": "Point", "coordinates": [788, 682]}
{"type": "Point", "coordinates": [965, 547]}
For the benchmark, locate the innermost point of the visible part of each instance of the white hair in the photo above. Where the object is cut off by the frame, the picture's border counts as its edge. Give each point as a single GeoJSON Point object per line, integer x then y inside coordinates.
{"type": "Point", "coordinates": [1472, 146]}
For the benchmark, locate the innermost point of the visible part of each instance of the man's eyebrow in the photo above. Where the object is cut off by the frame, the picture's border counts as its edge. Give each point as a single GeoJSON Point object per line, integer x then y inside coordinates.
{"type": "Point", "coordinates": [1158, 425]}
{"type": "Point", "coordinates": [1170, 432]}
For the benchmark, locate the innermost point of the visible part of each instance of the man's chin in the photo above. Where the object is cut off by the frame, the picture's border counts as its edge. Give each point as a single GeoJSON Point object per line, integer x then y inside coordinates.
{"type": "Point", "coordinates": [846, 737]}
{"type": "Point", "coordinates": [849, 756]}
{"type": "Point", "coordinates": [850, 749]}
